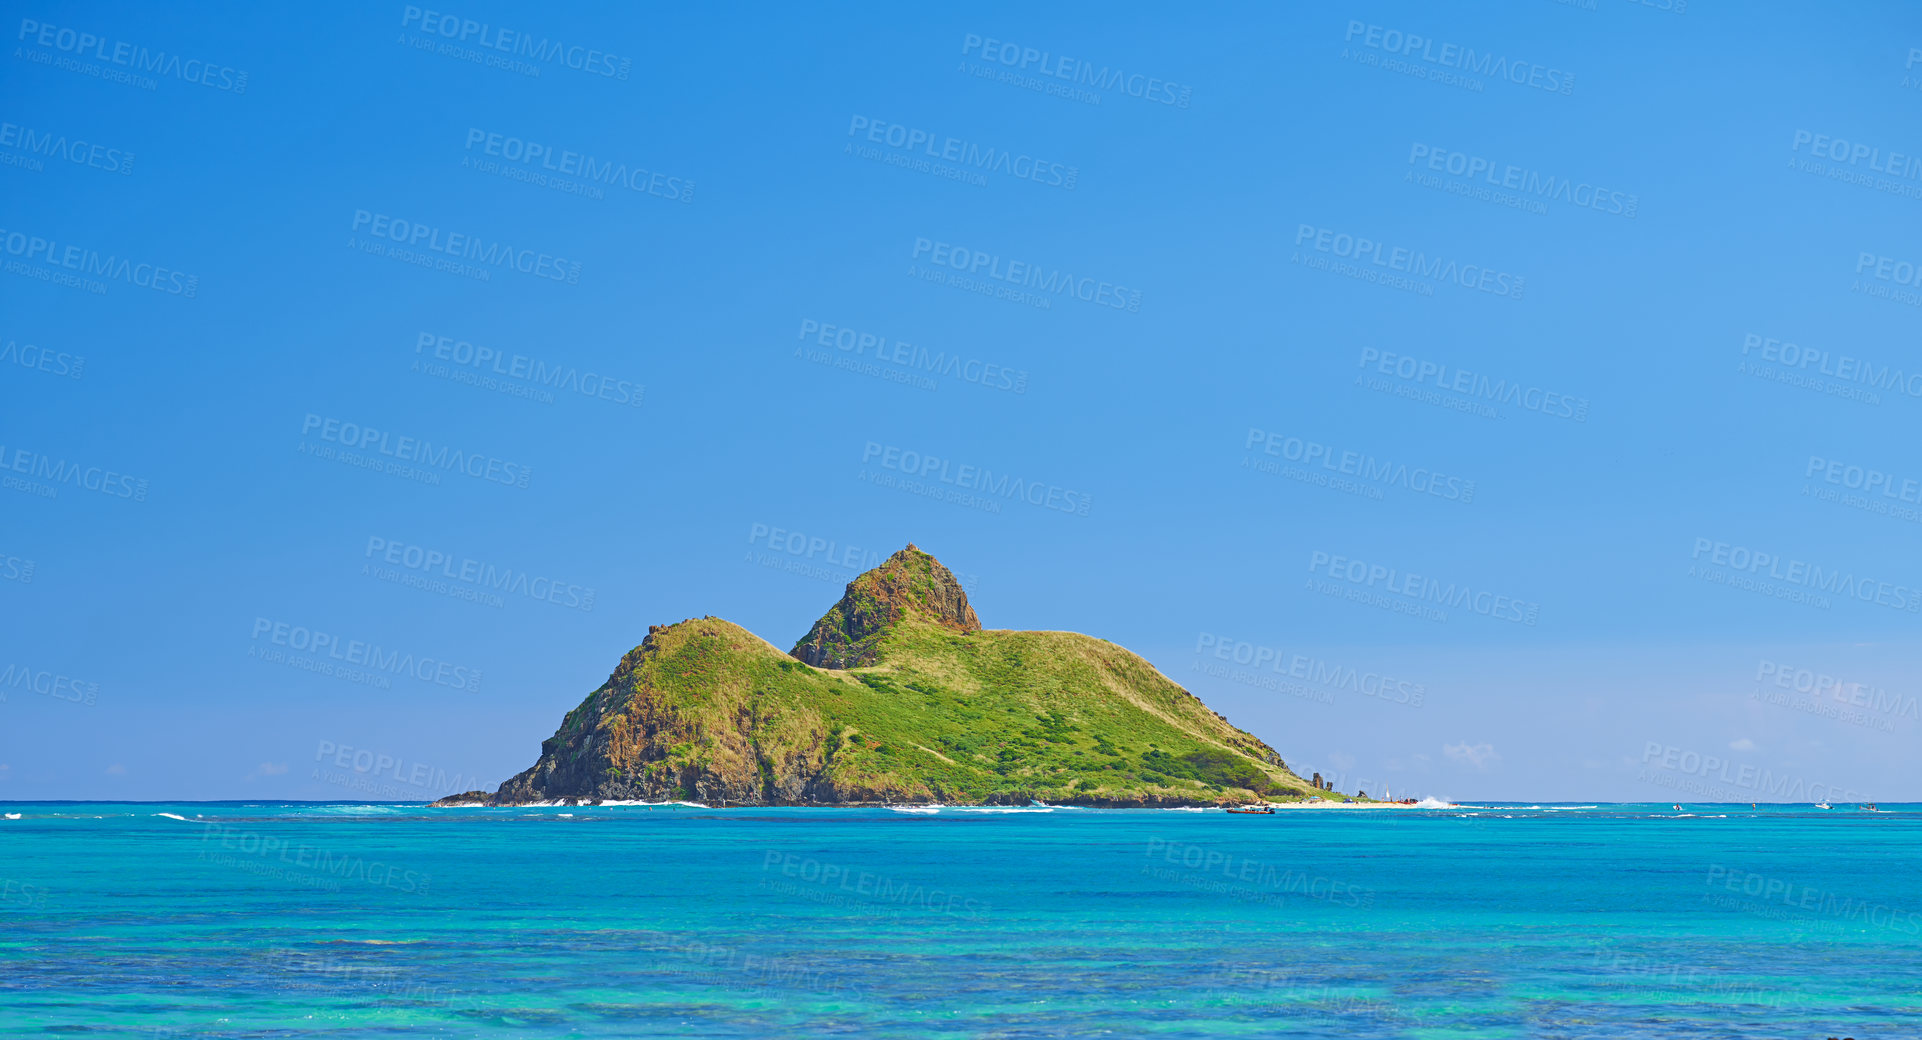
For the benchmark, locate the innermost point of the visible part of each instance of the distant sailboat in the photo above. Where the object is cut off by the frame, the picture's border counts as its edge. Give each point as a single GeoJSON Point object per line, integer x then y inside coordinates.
{"type": "Point", "coordinates": [1821, 805]}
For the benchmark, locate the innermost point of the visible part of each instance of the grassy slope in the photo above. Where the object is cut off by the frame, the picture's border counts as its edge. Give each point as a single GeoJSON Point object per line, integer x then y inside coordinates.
{"type": "Point", "coordinates": [942, 716]}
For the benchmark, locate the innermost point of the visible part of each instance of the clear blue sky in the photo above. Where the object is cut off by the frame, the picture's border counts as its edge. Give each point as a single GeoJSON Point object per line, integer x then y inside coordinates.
{"type": "Point", "coordinates": [1163, 333]}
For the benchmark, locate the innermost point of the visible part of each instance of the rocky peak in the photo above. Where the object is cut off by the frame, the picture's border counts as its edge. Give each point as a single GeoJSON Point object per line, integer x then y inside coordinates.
{"type": "Point", "coordinates": [910, 582]}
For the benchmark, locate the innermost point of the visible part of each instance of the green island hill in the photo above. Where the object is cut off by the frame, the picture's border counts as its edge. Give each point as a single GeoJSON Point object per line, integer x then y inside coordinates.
{"type": "Point", "coordinates": [897, 695]}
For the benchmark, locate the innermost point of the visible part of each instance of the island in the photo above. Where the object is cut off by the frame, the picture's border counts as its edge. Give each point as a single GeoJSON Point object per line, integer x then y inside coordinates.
{"type": "Point", "coordinates": [896, 696]}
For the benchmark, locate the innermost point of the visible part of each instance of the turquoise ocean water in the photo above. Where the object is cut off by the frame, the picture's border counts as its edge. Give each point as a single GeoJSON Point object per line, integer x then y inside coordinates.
{"type": "Point", "coordinates": [263, 920]}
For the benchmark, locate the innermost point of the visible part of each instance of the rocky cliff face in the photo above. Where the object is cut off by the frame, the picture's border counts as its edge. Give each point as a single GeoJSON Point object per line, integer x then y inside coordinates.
{"type": "Point", "coordinates": [639, 738]}
{"type": "Point", "coordinates": [909, 583]}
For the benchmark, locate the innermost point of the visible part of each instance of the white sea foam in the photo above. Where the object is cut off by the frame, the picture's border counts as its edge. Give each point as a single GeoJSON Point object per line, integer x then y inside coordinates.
{"type": "Point", "coordinates": [604, 805]}
{"type": "Point", "coordinates": [921, 809]}
{"type": "Point", "coordinates": [1435, 803]}
{"type": "Point", "coordinates": [171, 816]}
{"type": "Point", "coordinates": [13, 816]}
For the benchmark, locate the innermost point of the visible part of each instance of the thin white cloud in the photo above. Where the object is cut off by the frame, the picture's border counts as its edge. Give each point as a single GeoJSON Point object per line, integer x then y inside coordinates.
{"type": "Point", "coordinates": [1742, 744]}
{"type": "Point", "coordinates": [1480, 756]}
{"type": "Point", "coordinates": [267, 769]}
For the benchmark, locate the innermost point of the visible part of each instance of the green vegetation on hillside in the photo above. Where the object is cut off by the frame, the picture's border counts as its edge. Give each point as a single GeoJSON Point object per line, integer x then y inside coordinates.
{"type": "Point", "coordinates": [945, 712]}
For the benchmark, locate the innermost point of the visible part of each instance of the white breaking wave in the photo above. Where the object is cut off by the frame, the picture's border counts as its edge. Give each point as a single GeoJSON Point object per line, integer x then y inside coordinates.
{"type": "Point", "coordinates": [171, 816]}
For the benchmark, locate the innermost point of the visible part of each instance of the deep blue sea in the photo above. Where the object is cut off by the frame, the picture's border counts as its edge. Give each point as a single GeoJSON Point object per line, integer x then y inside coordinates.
{"type": "Point", "coordinates": [265, 920]}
